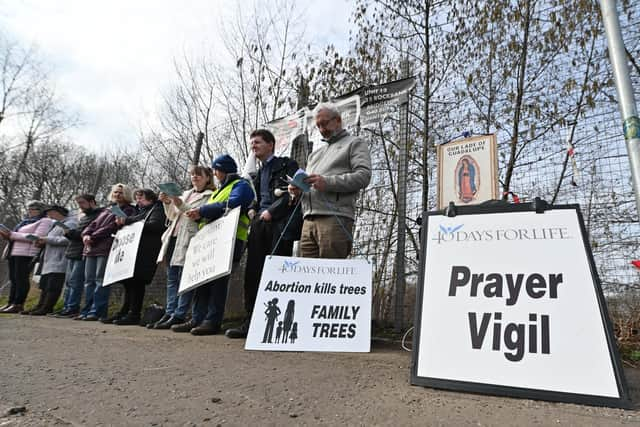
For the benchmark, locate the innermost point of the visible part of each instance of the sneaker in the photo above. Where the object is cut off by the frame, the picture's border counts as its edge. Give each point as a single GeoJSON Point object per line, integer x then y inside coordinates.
{"type": "Point", "coordinates": [79, 317]}
{"type": "Point", "coordinates": [240, 332]}
{"type": "Point", "coordinates": [91, 317]}
{"type": "Point", "coordinates": [184, 327]}
{"type": "Point", "coordinates": [206, 328]}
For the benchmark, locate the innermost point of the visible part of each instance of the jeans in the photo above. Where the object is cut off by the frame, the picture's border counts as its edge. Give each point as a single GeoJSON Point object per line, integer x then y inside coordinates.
{"type": "Point", "coordinates": [184, 301]}
{"type": "Point", "coordinates": [174, 272]}
{"type": "Point", "coordinates": [74, 285]}
{"type": "Point", "coordinates": [93, 274]}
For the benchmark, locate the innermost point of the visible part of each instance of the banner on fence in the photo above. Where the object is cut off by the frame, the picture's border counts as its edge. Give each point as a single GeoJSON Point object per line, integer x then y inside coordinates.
{"type": "Point", "coordinates": [509, 303]}
{"type": "Point", "coordinates": [310, 304]}
{"type": "Point", "coordinates": [121, 263]}
{"type": "Point", "coordinates": [210, 252]}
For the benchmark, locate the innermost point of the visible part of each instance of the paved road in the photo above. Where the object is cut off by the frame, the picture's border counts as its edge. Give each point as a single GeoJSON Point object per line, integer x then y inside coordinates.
{"type": "Point", "coordinates": [79, 373]}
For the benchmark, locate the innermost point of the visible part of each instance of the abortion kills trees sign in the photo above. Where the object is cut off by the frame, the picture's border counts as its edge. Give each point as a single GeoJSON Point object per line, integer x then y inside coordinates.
{"type": "Point", "coordinates": [310, 304]}
{"type": "Point", "coordinates": [121, 263]}
{"type": "Point", "coordinates": [210, 252]}
{"type": "Point", "coordinates": [510, 303]}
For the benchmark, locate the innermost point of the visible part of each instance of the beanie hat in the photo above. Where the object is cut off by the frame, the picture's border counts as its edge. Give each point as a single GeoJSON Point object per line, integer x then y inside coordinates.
{"type": "Point", "coordinates": [225, 163]}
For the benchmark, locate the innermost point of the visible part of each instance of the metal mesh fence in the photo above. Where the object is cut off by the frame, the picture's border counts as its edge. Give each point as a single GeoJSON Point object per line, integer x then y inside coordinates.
{"type": "Point", "coordinates": [599, 182]}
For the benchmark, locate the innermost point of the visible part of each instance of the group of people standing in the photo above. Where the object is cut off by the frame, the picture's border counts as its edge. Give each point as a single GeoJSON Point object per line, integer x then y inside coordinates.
{"type": "Point", "coordinates": [73, 250]}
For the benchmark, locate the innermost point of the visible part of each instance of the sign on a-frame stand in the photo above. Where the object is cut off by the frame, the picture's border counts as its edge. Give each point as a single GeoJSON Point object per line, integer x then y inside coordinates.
{"type": "Point", "coordinates": [510, 303]}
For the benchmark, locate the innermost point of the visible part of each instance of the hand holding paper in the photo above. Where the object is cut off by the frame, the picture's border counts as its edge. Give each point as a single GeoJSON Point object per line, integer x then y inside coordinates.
{"type": "Point", "coordinates": [298, 180]}
{"type": "Point", "coordinates": [118, 212]}
{"type": "Point", "coordinates": [170, 189]}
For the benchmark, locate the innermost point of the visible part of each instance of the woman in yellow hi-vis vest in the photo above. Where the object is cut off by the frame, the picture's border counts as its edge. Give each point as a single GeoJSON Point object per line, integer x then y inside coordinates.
{"type": "Point", "coordinates": [232, 192]}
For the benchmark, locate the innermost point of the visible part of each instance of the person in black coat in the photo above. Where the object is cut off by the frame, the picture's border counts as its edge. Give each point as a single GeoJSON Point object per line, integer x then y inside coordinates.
{"type": "Point", "coordinates": [150, 211]}
{"type": "Point", "coordinates": [271, 213]}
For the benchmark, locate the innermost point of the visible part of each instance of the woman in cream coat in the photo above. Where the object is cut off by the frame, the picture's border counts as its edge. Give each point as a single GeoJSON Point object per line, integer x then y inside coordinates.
{"type": "Point", "coordinates": [175, 242]}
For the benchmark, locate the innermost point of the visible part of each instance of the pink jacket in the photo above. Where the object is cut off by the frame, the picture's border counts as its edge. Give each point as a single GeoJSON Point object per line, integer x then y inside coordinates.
{"type": "Point", "coordinates": [25, 247]}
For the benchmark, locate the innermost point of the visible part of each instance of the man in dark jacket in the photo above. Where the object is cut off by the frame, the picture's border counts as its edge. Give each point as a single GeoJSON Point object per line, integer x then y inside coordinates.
{"type": "Point", "coordinates": [270, 215]}
{"type": "Point", "coordinates": [75, 267]}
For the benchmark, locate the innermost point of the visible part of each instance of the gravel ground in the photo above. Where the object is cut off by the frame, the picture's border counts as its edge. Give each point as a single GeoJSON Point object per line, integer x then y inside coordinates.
{"type": "Point", "coordinates": [64, 372]}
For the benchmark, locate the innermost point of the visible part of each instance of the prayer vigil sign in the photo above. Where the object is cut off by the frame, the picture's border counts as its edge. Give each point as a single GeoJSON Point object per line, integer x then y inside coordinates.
{"type": "Point", "coordinates": [121, 263]}
{"type": "Point", "coordinates": [210, 252]}
{"type": "Point", "coordinates": [510, 303]}
{"type": "Point", "coordinates": [311, 304]}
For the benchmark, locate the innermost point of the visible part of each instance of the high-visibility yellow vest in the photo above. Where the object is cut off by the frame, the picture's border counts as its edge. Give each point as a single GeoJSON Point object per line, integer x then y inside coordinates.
{"type": "Point", "coordinates": [222, 196]}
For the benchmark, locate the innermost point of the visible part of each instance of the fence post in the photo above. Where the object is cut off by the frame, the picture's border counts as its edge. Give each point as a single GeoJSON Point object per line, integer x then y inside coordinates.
{"type": "Point", "coordinates": [400, 285]}
{"type": "Point", "coordinates": [626, 100]}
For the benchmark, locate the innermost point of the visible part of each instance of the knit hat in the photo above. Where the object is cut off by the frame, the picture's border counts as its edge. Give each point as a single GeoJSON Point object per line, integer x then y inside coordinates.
{"type": "Point", "coordinates": [225, 163]}
{"type": "Point", "coordinates": [60, 209]}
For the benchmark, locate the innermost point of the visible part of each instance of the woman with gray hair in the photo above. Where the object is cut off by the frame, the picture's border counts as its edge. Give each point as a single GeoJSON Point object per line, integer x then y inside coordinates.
{"type": "Point", "coordinates": [21, 250]}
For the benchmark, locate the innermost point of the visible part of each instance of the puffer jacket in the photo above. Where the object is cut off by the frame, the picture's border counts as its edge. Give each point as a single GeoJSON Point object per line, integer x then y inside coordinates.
{"type": "Point", "coordinates": [74, 250]}
{"type": "Point", "coordinates": [25, 247]}
{"type": "Point", "coordinates": [101, 230]}
{"type": "Point", "coordinates": [187, 229]}
{"type": "Point", "coordinates": [345, 164]}
{"type": "Point", "coordinates": [53, 259]}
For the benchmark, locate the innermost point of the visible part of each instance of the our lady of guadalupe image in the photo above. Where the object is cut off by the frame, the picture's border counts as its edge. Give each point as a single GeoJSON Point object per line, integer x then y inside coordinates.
{"type": "Point", "coordinates": [467, 176]}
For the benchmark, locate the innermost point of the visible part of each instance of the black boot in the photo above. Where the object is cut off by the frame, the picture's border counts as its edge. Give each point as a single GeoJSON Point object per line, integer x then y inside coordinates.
{"type": "Point", "coordinates": [240, 332]}
{"type": "Point", "coordinates": [49, 302]}
{"type": "Point", "coordinates": [129, 319]}
{"type": "Point", "coordinates": [40, 305]}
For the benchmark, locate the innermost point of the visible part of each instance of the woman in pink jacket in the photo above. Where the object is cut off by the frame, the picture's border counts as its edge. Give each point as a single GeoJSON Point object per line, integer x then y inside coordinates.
{"type": "Point", "coordinates": [21, 252]}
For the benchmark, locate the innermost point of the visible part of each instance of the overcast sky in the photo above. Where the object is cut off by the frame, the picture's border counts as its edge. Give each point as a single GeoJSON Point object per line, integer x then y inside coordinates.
{"type": "Point", "coordinates": [111, 60]}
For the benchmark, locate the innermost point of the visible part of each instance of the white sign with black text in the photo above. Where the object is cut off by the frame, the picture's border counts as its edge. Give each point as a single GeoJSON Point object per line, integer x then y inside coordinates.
{"type": "Point", "coordinates": [510, 299]}
{"type": "Point", "coordinates": [311, 304]}
{"type": "Point", "coordinates": [210, 252]}
{"type": "Point", "coordinates": [121, 263]}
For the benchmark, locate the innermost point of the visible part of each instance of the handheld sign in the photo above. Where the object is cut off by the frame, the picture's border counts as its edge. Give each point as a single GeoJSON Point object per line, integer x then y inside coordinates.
{"type": "Point", "coordinates": [170, 188]}
{"type": "Point", "coordinates": [509, 303]}
{"type": "Point", "coordinates": [311, 304]}
{"type": "Point", "coordinates": [210, 252]}
{"type": "Point", "coordinates": [122, 256]}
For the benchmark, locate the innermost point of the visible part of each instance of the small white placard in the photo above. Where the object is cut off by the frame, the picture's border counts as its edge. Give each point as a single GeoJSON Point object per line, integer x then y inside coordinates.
{"type": "Point", "coordinates": [121, 263]}
{"type": "Point", "coordinates": [210, 252]}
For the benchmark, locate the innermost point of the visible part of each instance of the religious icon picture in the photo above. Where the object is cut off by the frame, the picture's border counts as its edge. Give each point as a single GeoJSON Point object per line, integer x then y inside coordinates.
{"type": "Point", "coordinates": [467, 179]}
{"type": "Point", "coordinates": [467, 171]}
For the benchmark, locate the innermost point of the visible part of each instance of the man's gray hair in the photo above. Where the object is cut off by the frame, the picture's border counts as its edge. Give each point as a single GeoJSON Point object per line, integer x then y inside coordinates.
{"type": "Point", "coordinates": [329, 107]}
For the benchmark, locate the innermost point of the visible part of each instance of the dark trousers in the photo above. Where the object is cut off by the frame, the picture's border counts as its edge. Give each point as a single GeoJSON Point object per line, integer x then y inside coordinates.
{"type": "Point", "coordinates": [262, 240]}
{"type": "Point", "coordinates": [19, 269]}
{"type": "Point", "coordinates": [133, 297]}
{"type": "Point", "coordinates": [52, 283]}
